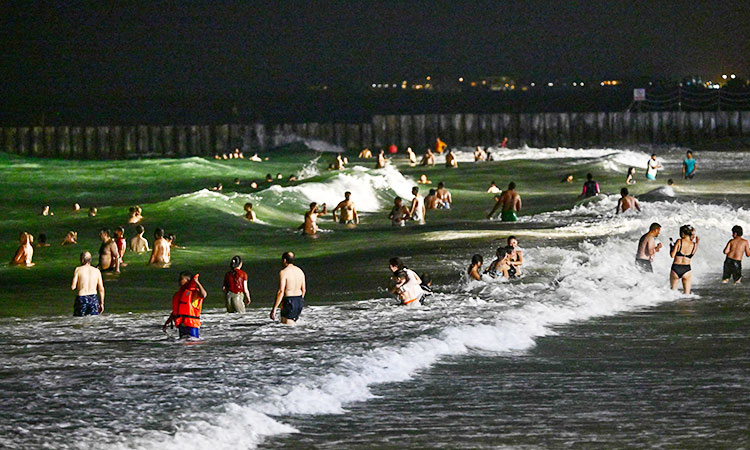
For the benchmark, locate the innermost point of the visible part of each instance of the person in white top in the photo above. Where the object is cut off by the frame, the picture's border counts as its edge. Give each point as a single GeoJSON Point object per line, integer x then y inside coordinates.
{"type": "Point", "coordinates": [417, 210]}
{"type": "Point", "coordinates": [652, 167]}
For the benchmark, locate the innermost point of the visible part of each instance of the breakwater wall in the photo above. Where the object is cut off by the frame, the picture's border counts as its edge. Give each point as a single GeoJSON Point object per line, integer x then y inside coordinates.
{"type": "Point", "coordinates": [418, 131]}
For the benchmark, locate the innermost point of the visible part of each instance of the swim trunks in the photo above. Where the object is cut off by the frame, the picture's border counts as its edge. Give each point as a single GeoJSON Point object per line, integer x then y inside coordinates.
{"type": "Point", "coordinates": [644, 265]}
{"type": "Point", "coordinates": [291, 307]}
{"type": "Point", "coordinates": [733, 269]}
{"type": "Point", "coordinates": [86, 305]}
{"type": "Point", "coordinates": [189, 332]}
{"type": "Point", "coordinates": [509, 216]}
{"type": "Point", "coordinates": [680, 269]}
{"type": "Point", "coordinates": [650, 176]}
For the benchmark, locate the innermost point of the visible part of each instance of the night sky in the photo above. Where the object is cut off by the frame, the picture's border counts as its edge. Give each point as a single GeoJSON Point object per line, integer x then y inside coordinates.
{"type": "Point", "coordinates": [207, 48]}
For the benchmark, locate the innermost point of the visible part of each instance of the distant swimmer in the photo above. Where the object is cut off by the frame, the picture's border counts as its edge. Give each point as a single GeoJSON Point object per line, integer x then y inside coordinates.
{"type": "Point", "coordinates": [504, 144]}
{"type": "Point", "coordinates": [87, 281]}
{"type": "Point", "coordinates": [348, 214]}
{"type": "Point", "coordinates": [479, 154]}
{"type": "Point", "coordinates": [310, 226]}
{"type": "Point", "coordinates": [139, 244]}
{"type": "Point", "coordinates": [590, 187]}
{"type": "Point", "coordinates": [93, 211]}
{"type": "Point", "coordinates": [25, 251]}
{"type": "Point", "coordinates": [568, 178]}
{"type": "Point", "coordinates": [510, 201]}
{"type": "Point", "coordinates": [399, 213]}
{"type": "Point", "coordinates": [236, 292]}
{"type": "Point", "coordinates": [365, 153]}
{"type": "Point", "coordinates": [431, 201]}
{"type": "Point", "coordinates": [652, 167]}
{"type": "Point", "coordinates": [450, 160]}
{"type": "Point", "coordinates": [423, 179]}
{"type": "Point", "coordinates": [735, 249]}
{"type": "Point", "coordinates": [630, 177]}
{"type": "Point", "coordinates": [109, 256]}
{"type": "Point", "coordinates": [338, 163]}
{"type": "Point", "coordinates": [217, 187]}
{"type": "Point", "coordinates": [513, 271]}
{"type": "Point", "coordinates": [46, 211]}
{"type": "Point", "coordinates": [249, 213]}
{"type": "Point", "coordinates": [689, 166]}
{"type": "Point", "coordinates": [42, 241]}
{"type": "Point", "coordinates": [135, 214]}
{"type": "Point", "coordinates": [162, 252]}
{"type": "Point", "coordinates": [683, 251]}
{"type": "Point", "coordinates": [499, 267]}
{"type": "Point", "coordinates": [291, 293]}
{"type": "Point", "coordinates": [70, 239]}
{"type": "Point", "coordinates": [626, 202]}
{"type": "Point", "coordinates": [407, 290]}
{"type": "Point", "coordinates": [187, 304]}
{"type": "Point", "coordinates": [428, 159]}
{"type": "Point", "coordinates": [76, 207]}
{"type": "Point", "coordinates": [417, 210]}
{"type": "Point", "coordinates": [412, 156]}
{"type": "Point", "coordinates": [493, 189]}
{"type": "Point", "coordinates": [121, 243]}
{"type": "Point", "coordinates": [444, 197]}
{"type": "Point", "coordinates": [647, 248]}
{"type": "Point", "coordinates": [255, 158]}
{"type": "Point", "coordinates": [516, 257]}
{"type": "Point", "coordinates": [440, 146]}
{"type": "Point", "coordinates": [475, 267]}
{"type": "Point", "coordinates": [381, 160]}
{"type": "Point", "coordinates": [269, 178]}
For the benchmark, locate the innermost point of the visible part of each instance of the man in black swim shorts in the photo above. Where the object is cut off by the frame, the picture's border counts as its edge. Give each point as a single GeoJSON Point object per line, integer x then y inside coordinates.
{"type": "Point", "coordinates": [291, 293]}
{"type": "Point", "coordinates": [735, 249]}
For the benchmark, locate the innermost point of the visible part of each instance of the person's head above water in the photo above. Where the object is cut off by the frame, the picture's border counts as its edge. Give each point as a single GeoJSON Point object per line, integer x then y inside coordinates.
{"type": "Point", "coordinates": [432, 192]}
{"type": "Point", "coordinates": [477, 259]}
{"type": "Point", "coordinates": [287, 258]}
{"type": "Point", "coordinates": [397, 201]}
{"type": "Point", "coordinates": [737, 230]}
{"type": "Point", "coordinates": [313, 206]}
{"type": "Point", "coordinates": [119, 231]}
{"type": "Point", "coordinates": [158, 233]}
{"type": "Point", "coordinates": [401, 275]}
{"type": "Point", "coordinates": [631, 170]}
{"type": "Point", "coordinates": [248, 206]}
{"type": "Point", "coordinates": [395, 264]}
{"type": "Point", "coordinates": [511, 186]}
{"type": "Point", "coordinates": [624, 192]}
{"type": "Point", "coordinates": [139, 230]}
{"type": "Point", "coordinates": [686, 231]}
{"type": "Point", "coordinates": [501, 253]}
{"type": "Point", "coordinates": [670, 182]}
{"type": "Point", "coordinates": [236, 262]}
{"type": "Point", "coordinates": [441, 185]}
{"type": "Point", "coordinates": [85, 258]}
{"type": "Point", "coordinates": [415, 190]}
{"type": "Point", "coordinates": [689, 154]}
{"type": "Point", "coordinates": [653, 155]}
{"type": "Point", "coordinates": [512, 241]}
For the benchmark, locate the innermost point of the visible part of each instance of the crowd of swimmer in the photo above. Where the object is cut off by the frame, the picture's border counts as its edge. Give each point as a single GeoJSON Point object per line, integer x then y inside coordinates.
{"type": "Point", "coordinates": [405, 285]}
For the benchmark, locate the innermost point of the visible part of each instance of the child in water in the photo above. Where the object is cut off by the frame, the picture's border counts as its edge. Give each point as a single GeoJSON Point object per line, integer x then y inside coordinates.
{"type": "Point", "coordinates": [475, 267]}
{"type": "Point", "coordinates": [499, 267]}
{"type": "Point", "coordinates": [187, 303]}
{"type": "Point", "coordinates": [409, 292]}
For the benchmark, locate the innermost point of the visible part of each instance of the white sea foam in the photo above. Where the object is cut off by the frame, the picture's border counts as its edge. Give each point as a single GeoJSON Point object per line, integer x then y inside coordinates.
{"type": "Point", "coordinates": [309, 170]}
{"type": "Point", "coordinates": [610, 158]}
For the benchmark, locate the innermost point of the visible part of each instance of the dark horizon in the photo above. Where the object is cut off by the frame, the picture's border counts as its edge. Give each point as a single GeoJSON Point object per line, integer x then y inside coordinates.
{"type": "Point", "coordinates": [205, 50]}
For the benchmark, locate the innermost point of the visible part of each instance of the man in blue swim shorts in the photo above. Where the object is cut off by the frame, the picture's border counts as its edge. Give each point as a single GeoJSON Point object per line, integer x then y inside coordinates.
{"type": "Point", "coordinates": [291, 293]}
{"type": "Point", "coordinates": [87, 281]}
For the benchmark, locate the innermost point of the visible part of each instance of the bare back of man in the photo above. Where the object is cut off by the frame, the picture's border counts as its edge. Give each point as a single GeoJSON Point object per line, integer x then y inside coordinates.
{"type": "Point", "coordinates": [509, 202]}
{"type": "Point", "coordinates": [161, 254]}
{"type": "Point", "coordinates": [291, 292]}
{"type": "Point", "coordinates": [109, 256]}
{"type": "Point", "coordinates": [87, 282]}
{"type": "Point", "coordinates": [735, 249]}
{"type": "Point", "coordinates": [626, 203]}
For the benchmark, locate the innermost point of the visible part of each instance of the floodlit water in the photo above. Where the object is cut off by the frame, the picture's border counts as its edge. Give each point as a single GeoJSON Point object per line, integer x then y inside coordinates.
{"type": "Point", "coordinates": [582, 351]}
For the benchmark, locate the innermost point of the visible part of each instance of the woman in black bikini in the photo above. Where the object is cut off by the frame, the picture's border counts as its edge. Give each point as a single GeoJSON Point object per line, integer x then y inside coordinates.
{"type": "Point", "coordinates": [682, 251]}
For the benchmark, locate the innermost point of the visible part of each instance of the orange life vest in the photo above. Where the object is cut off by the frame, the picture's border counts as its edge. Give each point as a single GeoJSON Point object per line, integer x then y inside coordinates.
{"type": "Point", "coordinates": [440, 145]}
{"type": "Point", "coordinates": [187, 305]}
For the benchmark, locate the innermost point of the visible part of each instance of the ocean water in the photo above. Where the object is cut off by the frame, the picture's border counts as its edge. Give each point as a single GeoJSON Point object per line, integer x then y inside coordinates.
{"type": "Point", "coordinates": [582, 351]}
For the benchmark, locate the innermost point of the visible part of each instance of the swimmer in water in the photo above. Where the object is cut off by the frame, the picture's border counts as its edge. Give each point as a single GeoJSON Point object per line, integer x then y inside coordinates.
{"type": "Point", "coordinates": [121, 244]}
{"type": "Point", "coordinates": [109, 256]}
{"type": "Point", "coordinates": [516, 257]}
{"type": "Point", "coordinates": [255, 158]}
{"type": "Point", "coordinates": [475, 267]}
{"type": "Point", "coordinates": [399, 213]}
{"type": "Point", "coordinates": [269, 178]}
{"type": "Point", "coordinates": [291, 293]}
{"type": "Point", "coordinates": [310, 226]}
{"type": "Point", "coordinates": [428, 159]}
{"type": "Point", "coordinates": [510, 201]}
{"type": "Point", "coordinates": [25, 251]}
{"type": "Point", "coordinates": [683, 251]}
{"type": "Point", "coordinates": [630, 177]}
{"type": "Point", "coordinates": [76, 207]}
{"type": "Point", "coordinates": [217, 187]}
{"type": "Point", "coordinates": [493, 189]}
{"type": "Point", "coordinates": [735, 249]}
{"type": "Point", "coordinates": [423, 179]}
{"type": "Point", "coordinates": [689, 166]}
{"type": "Point", "coordinates": [412, 156]}
{"type": "Point", "coordinates": [381, 159]}
{"type": "Point", "coordinates": [499, 267]}
{"type": "Point", "coordinates": [365, 153]}
{"type": "Point", "coordinates": [93, 211]}
{"type": "Point", "coordinates": [161, 254]}
{"type": "Point", "coordinates": [652, 167]}
{"type": "Point", "coordinates": [249, 213]}
{"type": "Point", "coordinates": [647, 248]}
{"type": "Point", "coordinates": [444, 197]}
{"type": "Point", "coordinates": [70, 239]}
{"type": "Point", "coordinates": [567, 178]}
{"type": "Point", "coordinates": [338, 163]}
{"type": "Point", "coordinates": [348, 214]}
{"type": "Point", "coordinates": [450, 160]}
{"type": "Point", "coordinates": [431, 201]}
{"type": "Point", "coordinates": [626, 202]}
{"type": "Point", "coordinates": [417, 210]}
{"type": "Point", "coordinates": [479, 154]}
{"type": "Point", "coordinates": [134, 214]}
{"type": "Point", "coordinates": [46, 211]}
{"type": "Point", "coordinates": [590, 187]}
{"type": "Point", "coordinates": [42, 242]}
{"type": "Point", "coordinates": [236, 292]}
{"type": "Point", "coordinates": [139, 244]}
{"type": "Point", "coordinates": [408, 291]}
{"type": "Point", "coordinates": [187, 304]}
{"type": "Point", "coordinates": [87, 282]}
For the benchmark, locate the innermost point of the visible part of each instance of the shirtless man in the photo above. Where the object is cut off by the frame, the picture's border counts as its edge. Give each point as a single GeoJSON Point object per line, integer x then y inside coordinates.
{"type": "Point", "coordinates": [399, 213]}
{"type": "Point", "coordinates": [25, 252]}
{"type": "Point", "coordinates": [626, 202]}
{"type": "Point", "coordinates": [338, 163]}
{"type": "Point", "coordinates": [365, 153]}
{"type": "Point", "coordinates": [70, 239]}
{"type": "Point", "coordinates": [647, 248]}
{"type": "Point", "coordinates": [138, 243]}
{"type": "Point", "coordinates": [444, 197]}
{"type": "Point", "coordinates": [162, 251]}
{"type": "Point", "coordinates": [510, 202]}
{"type": "Point", "coordinates": [87, 281]}
{"type": "Point", "coordinates": [431, 201]}
{"type": "Point", "coordinates": [310, 227]}
{"type": "Point", "coordinates": [381, 160]}
{"type": "Point", "coordinates": [412, 156]}
{"type": "Point", "coordinates": [428, 159]}
{"type": "Point", "coordinates": [348, 214]}
{"type": "Point", "coordinates": [291, 293]}
{"type": "Point", "coordinates": [735, 249]}
{"type": "Point", "coordinates": [249, 213]}
{"type": "Point", "coordinates": [479, 154]}
{"type": "Point", "coordinates": [450, 160]}
{"type": "Point", "coordinates": [109, 256]}
{"type": "Point", "coordinates": [417, 210]}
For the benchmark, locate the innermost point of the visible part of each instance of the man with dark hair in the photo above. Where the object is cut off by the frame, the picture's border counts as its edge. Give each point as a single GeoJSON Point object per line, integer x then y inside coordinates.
{"type": "Point", "coordinates": [510, 201]}
{"type": "Point", "coordinates": [162, 249]}
{"type": "Point", "coordinates": [590, 187]}
{"type": "Point", "coordinates": [139, 243]}
{"type": "Point", "coordinates": [647, 248]}
{"type": "Point", "coordinates": [109, 256]}
{"type": "Point", "coordinates": [626, 202]}
{"type": "Point", "coordinates": [87, 281]}
{"type": "Point", "coordinates": [291, 293]}
{"type": "Point", "coordinates": [444, 197]}
{"type": "Point", "coordinates": [348, 214]}
{"type": "Point", "coordinates": [735, 249]}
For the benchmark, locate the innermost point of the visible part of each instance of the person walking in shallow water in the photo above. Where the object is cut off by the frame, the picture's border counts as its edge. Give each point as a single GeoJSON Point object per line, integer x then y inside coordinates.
{"type": "Point", "coordinates": [735, 249]}
{"type": "Point", "coordinates": [683, 251]}
{"type": "Point", "coordinates": [647, 248]}
{"type": "Point", "coordinates": [236, 293]}
{"type": "Point", "coordinates": [87, 281]}
{"type": "Point", "coordinates": [291, 292]}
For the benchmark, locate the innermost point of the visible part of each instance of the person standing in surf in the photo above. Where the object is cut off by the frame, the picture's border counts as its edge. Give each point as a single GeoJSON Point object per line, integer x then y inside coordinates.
{"type": "Point", "coordinates": [652, 167]}
{"type": "Point", "coordinates": [87, 281]}
{"type": "Point", "coordinates": [474, 269]}
{"type": "Point", "coordinates": [689, 166]}
{"type": "Point", "coordinates": [735, 249]}
{"type": "Point", "coordinates": [109, 255]}
{"type": "Point", "coordinates": [417, 210]}
{"type": "Point", "coordinates": [626, 202]}
{"type": "Point", "coordinates": [291, 292]}
{"type": "Point", "coordinates": [25, 251]}
{"type": "Point", "coordinates": [510, 201]}
{"type": "Point", "coordinates": [236, 293]}
{"type": "Point", "coordinates": [590, 187]}
{"type": "Point", "coordinates": [162, 253]}
{"type": "Point", "coordinates": [187, 303]}
{"type": "Point", "coordinates": [516, 259]}
{"type": "Point", "coordinates": [683, 251]}
{"type": "Point", "coordinates": [348, 214]}
{"type": "Point", "coordinates": [647, 248]}
{"type": "Point", "coordinates": [310, 226]}
{"type": "Point", "coordinates": [381, 159]}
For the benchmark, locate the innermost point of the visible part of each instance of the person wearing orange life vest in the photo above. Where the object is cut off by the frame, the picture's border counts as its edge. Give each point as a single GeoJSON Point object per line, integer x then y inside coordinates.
{"type": "Point", "coordinates": [439, 146]}
{"type": "Point", "coordinates": [187, 303]}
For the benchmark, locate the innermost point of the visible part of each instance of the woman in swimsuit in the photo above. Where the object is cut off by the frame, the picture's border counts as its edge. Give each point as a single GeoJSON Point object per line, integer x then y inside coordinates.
{"type": "Point", "coordinates": [683, 251]}
{"type": "Point", "coordinates": [475, 267]}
